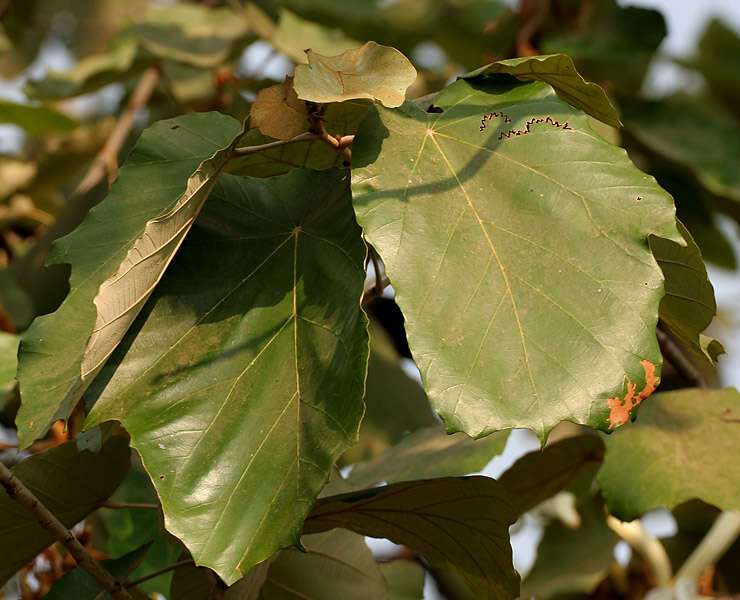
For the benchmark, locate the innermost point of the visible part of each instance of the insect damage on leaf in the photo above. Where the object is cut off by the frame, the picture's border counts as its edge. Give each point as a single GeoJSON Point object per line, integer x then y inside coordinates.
{"type": "Point", "coordinates": [619, 408]}
{"type": "Point", "coordinates": [527, 128]}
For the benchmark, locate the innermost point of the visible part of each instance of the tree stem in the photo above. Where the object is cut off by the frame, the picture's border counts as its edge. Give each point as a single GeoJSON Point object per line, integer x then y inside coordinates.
{"type": "Point", "coordinates": [251, 149]}
{"type": "Point", "coordinates": [106, 162]}
{"type": "Point", "coordinates": [647, 546]}
{"type": "Point", "coordinates": [21, 494]}
{"type": "Point", "coordinates": [674, 354]}
{"type": "Point", "coordinates": [723, 532]}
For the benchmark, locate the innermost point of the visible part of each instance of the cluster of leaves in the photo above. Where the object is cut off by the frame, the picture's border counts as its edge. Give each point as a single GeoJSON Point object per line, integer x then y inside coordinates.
{"type": "Point", "coordinates": [215, 301]}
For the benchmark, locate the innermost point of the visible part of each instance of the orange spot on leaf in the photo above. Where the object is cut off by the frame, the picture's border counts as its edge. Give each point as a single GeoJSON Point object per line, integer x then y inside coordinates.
{"type": "Point", "coordinates": [619, 408]}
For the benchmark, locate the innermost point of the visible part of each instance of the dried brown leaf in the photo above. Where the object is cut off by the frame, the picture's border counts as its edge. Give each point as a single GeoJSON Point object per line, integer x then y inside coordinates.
{"type": "Point", "coordinates": [278, 112]}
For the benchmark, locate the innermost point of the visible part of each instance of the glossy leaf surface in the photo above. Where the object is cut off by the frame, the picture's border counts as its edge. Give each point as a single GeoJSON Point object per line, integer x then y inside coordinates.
{"type": "Point", "coordinates": [241, 382]}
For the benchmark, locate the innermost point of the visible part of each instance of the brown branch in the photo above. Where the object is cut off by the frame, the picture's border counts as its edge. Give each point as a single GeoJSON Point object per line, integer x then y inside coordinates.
{"type": "Point", "coordinates": [106, 162]}
{"type": "Point", "coordinates": [674, 354]}
{"type": "Point", "coordinates": [21, 494]}
{"type": "Point", "coordinates": [307, 136]}
{"type": "Point", "coordinates": [159, 572]}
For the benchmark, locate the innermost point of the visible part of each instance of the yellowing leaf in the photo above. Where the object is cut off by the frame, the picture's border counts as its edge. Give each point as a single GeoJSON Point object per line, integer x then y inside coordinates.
{"type": "Point", "coordinates": [370, 71]}
{"type": "Point", "coordinates": [278, 112]}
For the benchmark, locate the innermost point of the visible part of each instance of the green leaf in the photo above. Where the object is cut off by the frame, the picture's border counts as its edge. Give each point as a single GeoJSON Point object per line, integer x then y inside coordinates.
{"type": "Point", "coordinates": [559, 71]}
{"type": "Point", "coordinates": [404, 578]}
{"type": "Point", "coordinates": [35, 120]}
{"type": "Point", "coordinates": [336, 565]}
{"type": "Point", "coordinates": [717, 59]}
{"type": "Point", "coordinates": [428, 453]}
{"type": "Point", "coordinates": [612, 45]}
{"type": "Point", "coordinates": [251, 355]}
{"type": "Point", "coordinates": [693, 134]}
{"type": "Point", "coordinates": [371, 71]}
{"type": "Point", "coordinates": [341, 118]}
{"type": "Point", "coordinates": [541, 474]}
{"type": "Point", "coordinates": [192, 34]}
{"type": "Point", "coordinates": [681, 447]}
{"type": "Point", "coordinates": [530, 294]}
{"type": "Point", "coordinates": [78, 584]}
{"type": "Point", "coordinates": [70, 479]}
{"type": "Point", "coordinates": [688, 306]}
{"type": "Point", "coordinates": [460, 524]}
{"type": "Point", "coordinates": [199, 583]}
{"type": "Point", "coordinates": [118, 254]}
{"type": "Point", "coordinates": [395, 404]}
{"type": "Point", "coordinates": [572, 561]}
{"type": "Point", "coordinates": [88, 75]}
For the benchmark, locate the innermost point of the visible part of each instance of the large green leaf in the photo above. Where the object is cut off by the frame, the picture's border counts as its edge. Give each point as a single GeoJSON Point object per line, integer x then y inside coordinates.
{"type": "Point", "coordinates": [518, 249]}
{"type": "Point", "coordinates": [35, 120]}
{"type": "Point", "coordinates": [428, 453]}
{"type": "Point", "coordinates": [241, 382]}
{"type": "Point", "coordinates": [89, 74]}
{"type": "Point", "coordinates": [692, 133]}
{"type": "Point", "coordinates": [118, 254]}
{"type": "Point", "coordinates": [335, 565]}
{"type": "Point", "coordinates": [559, 71]}
{"type": "Point", "coordinates": [682, 446]}
{"type": "Point", "coordinates": [199, 583]}
{"type": "Point", "coordinates": [541, 474]}
{"type": "Point", "coordinates": [459, 524]}
{"type": "Point", "coordinates": [688, 306]}
{"type": "Point", "coordinates": [70, 480]}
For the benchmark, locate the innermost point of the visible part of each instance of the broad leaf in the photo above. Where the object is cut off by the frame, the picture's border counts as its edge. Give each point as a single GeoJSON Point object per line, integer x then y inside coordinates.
{"type": "Point", "coordinates": [371, 71]}
{"type": "Point", "coordinates": [118, 254]}
{"type": "Point", "coordinates": [89, 74]}
{"type": "Point", "coordinates": [241, 382]}
{"type": "Point", "coordinates": [541, 474]}
{"type": "Point", "coordinates": [693, 134]}
{"type": "Point", "coordinates": [460, 524]}
{"type": "Point", "coordinates": [70, 479]}
{"type": "Point", "coordinates": [428, 453]}
{"type": "Point", "coordinates": [339, 119]}
{"type": "Point", "coordinates": [572, 561]}
{"type": "Point", "coordinates": [681, 447]}
{"type": "Point", "coordinates": [190, 33]}
{"type": "Point", "coordinates": [404, 578]}
{"type": "Point", "coordinates": [559, 71]}
{"type": "Point", "coordinates": [35, 120]}
{"type": "Point", "coordinates": [336, 565]}
{"type": "Point", "coordinates": [517, 242]}
{"type": "Point", "coordinates": [688, 306]}
{"type": "Point", "coordinates": [78, 584]}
